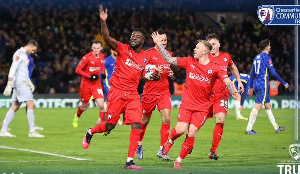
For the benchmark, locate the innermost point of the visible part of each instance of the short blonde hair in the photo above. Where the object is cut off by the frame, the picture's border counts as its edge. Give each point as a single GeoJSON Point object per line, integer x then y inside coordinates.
{"type": "Point", "coordinates": [206, 44]}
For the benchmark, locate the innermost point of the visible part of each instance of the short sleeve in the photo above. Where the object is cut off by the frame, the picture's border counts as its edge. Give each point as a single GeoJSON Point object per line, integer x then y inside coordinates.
{"type": "Point", "coordinates": [230, 62]}
{"type": "Point", "coordinates": [120, 47]}
{"type": "Point", "coordinates": [183, 62]}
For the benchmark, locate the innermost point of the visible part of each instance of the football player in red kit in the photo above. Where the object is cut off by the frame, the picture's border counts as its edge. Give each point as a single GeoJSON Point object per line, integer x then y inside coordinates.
{"type": "Point", "coordinates": [195, 106]}
{"type": "Point", "coordinates": [90, 67]}
{"type": "Point", "coordinates": [157, 94]}
{"type": "Point", "coordinates": [123, 97]}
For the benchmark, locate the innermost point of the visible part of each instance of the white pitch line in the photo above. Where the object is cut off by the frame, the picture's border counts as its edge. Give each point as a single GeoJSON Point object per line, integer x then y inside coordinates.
{"type": "Point", "coordinates": [22, 161]}
{"type": "Point", "coordinates": [45, 153]}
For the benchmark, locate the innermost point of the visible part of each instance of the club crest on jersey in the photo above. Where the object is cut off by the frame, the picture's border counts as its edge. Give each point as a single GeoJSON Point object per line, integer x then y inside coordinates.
{"type": "Point", "coordinates": [225, 59]}
{"type": "Point", "coordinates": [209, 71]}
{"type": "Point", "coordinates": [109, 117]}
{"type": "Point", "coordinates": [145, 60]}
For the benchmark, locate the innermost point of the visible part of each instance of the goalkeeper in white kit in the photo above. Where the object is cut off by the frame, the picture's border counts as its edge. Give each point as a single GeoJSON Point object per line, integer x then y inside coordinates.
{"type": "Point", "coordinates": [21, 87]}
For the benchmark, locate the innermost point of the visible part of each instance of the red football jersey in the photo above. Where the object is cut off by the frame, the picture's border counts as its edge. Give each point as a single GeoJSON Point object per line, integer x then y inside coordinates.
{"type": "Point", "coordinates": [161, 86]}
{"type": "Point", "coordinates": [90, 65]}
{"type": "Point", "coordinates": [224, 59]}
{"type": "Point", "coordinates": [199, 82]}
{"type": "Point", "coordinates": [129, 68]}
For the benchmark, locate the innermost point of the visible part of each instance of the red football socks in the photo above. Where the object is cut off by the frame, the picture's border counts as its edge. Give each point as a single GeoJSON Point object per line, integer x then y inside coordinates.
{"type": "Point", "coordinates": [143, 131]}
{"type": "Point", "coordinates": [217, 135]}
{"type": "Point", "coordinates": [99, 128]}
{"type": "Point", "coordinates": [174, 135]}
{"type": "Point", "coordinates": [187, 146]}
{"type": "Point", "coordinates": [79, 112]}
{"type": "Point", "coordinates": [134, 139]}
{"type": "Point", "coordinates": [164, 133]}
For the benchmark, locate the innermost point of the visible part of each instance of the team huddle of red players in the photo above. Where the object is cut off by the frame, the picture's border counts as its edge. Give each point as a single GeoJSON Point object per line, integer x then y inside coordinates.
{"type": "Point", "coordinates": [205, 94]}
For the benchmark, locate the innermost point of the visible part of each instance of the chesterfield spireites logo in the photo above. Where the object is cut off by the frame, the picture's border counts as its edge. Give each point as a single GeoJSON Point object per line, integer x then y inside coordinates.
{"type": "Point", "coordinates": [265, 14]}
{"type": "Point", "coordinates": [291, 166]}
{"type": "Point", "coordinates": [295, 151]}
{"type": "Point", "coordinates": [279, 14]}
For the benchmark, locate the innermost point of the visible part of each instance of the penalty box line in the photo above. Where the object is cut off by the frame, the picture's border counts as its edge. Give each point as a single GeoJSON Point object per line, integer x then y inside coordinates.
{"type": "Point", "coordinates": [45, 153]}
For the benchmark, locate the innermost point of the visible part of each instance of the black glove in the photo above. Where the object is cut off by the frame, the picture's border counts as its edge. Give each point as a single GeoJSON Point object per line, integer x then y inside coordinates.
{"type": "Point", "coordinates": [103, 76]}
{"type": "Point", "coordinates": [94, 77]}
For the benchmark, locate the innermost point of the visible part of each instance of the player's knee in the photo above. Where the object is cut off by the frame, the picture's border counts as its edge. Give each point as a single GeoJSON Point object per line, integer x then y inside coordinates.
{"type": "Point", "coordinates": [180, 130]}
{"type": "Point", "coordinates": [109, 126]}
{"type": "Point", "coordinates": [167, 121]}
{"type": "Point", "coordinates": [135, 125]}
{"type": "Point", "coordinates": [145, 120]}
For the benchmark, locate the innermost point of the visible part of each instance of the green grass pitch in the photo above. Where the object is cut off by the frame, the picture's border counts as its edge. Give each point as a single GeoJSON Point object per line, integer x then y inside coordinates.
{"type": "Point", "coordinates": [239, 153]}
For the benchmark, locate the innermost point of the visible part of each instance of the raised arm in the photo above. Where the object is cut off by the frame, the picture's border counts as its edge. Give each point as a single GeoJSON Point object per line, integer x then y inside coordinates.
{"type": "Point", "coordinates": [113, 43]}
{"type": "Point", "coordinates": [157, 40]}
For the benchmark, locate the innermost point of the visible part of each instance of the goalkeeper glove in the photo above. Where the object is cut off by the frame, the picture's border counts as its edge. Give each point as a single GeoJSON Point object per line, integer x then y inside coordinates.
{"type": "Point", "coordinates": [8, 89]}
{"type": "Point", "coordinates": [103, 76]}
{"type": "Point", "coordinates": [31, 86]}
{"type": "Point", "coordinates": [94, 77]}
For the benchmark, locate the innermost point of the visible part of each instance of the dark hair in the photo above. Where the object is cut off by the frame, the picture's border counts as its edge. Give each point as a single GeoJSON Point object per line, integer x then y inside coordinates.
{"type": "Point", "coordinates": [264, 43]}
{"type": "Point", "coordinates": [97, 42]}
{"type": "Point", "coordinates": [212, 36]}
{"type": "Point", "coordinates": [140, 30]}
{"type": "Point", "coordinates": [160, 31]}
{"type": "Point", "coordinates": [33, 43]}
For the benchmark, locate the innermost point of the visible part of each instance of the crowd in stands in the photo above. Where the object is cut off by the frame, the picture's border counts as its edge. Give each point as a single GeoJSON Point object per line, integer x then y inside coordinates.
{"type": "Point", "coordinates": [65, 30]}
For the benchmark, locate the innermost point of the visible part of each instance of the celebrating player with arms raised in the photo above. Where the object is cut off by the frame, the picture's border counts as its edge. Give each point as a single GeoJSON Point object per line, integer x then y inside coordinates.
{"type": "Point", "coordinates": [123, 97]}
{"type": "Point", "coordinates": [195, 106]}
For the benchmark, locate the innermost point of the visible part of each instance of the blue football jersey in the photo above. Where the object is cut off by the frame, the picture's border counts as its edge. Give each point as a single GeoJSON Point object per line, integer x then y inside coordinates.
{"type": "Point", "coordinates": [244, 79]}
{"type": "Point", "coordinates": [109, 69]}
{"type": "Point", "coordinates": [30, 66]}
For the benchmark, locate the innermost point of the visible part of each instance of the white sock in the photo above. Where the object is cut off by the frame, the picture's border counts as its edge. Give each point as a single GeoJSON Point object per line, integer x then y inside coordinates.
{"type": "Point", "coordinates": [8, 118]}
{"type": "Point", "coordinates": [129, 159]}
{"type": "Point", "coordinates": [272, 118]}
{"type": "Point", "coordinates": [161, 147]}
{"type": "Point", "coordinates": [237, 108]}
{"type": "Point", "coordinates": [179, 160]}
{"type": "Point", "coordinates": [252, 118]}
{"type": "Point", "coordinates": [140, 143]}
{"type": "Point", "coordinates": [30, 117]}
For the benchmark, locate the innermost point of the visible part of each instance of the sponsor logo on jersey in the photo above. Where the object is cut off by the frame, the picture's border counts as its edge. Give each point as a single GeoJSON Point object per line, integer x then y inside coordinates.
{"type": "Point", "coordinates": [199, 77]}
{"type": "Point", "coordinates": [133, 64]}
{"type": "Point", "coordinates": [92, 69]}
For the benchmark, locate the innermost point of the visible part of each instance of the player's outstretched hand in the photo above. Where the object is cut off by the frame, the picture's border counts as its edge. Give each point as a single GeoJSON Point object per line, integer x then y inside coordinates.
{"type": "Point", "coordinates": [286, 86]}
{"type": "Point", "coordinates": [8, 89]}
{"type": "Point", "coordinates": [250, 92]}
{"type": "Point", "coordinates": [241, 87]}
{"type": "Point", "coordinates": [94, 77]}
{"type": "Point", "coordinates": [235, 95]}
{"type": "Point", "coordinates": [102, 13]}
{"type": "Point", "coordinates": [157, 38]}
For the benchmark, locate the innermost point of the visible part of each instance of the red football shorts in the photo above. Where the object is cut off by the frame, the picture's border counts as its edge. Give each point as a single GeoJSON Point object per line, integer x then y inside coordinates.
{"type": "Point", "coordinates": [126, 103]}
{"type": "Point", "coordinates": [150, 101]}
{"type": "Point", "coordinates": [196, 118]}
{"type": "Point", "coordinates": [220, 102]}
{"type": "Point", "coordinates": [86, 91]}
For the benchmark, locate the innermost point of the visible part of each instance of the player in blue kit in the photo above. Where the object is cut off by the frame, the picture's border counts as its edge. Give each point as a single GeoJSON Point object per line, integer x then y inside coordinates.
{"type": "Point", "coordinates": [241, 99]}
{"type": "Point", "coordinates": [259, 81]}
